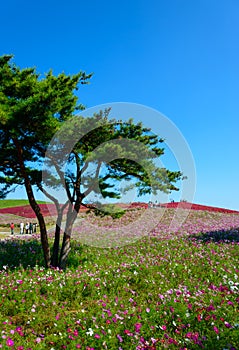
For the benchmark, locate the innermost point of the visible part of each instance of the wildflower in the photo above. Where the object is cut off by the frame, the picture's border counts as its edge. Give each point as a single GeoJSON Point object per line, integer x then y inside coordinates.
{"type": "Point", "coordinates": [137, 327]}
{"type": "Point", "coordinates": [189, 335]}
{"type": "Point", "coordinates": [9, 342]}
{"type": "Point", "coordinates": [199, 317]}
{"type": "Point", "coordinates": [75, 333]}
{"type": "Point", "coordinates": [90, 332]}
{"type": "Point", "coordinates": [126, 331]}
{"type": "Point", "coordinates": [120, 338]}
{"type": "Point", "coordinates": [227, 324]}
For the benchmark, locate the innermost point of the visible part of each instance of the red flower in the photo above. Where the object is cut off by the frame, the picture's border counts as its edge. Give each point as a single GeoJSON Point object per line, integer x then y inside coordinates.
{"type": "Point", "coordinates": [199, 317]}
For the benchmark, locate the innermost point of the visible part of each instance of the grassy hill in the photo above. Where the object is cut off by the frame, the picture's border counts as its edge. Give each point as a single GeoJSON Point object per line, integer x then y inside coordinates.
{"type": "Point", "coordinates": [9, 203]}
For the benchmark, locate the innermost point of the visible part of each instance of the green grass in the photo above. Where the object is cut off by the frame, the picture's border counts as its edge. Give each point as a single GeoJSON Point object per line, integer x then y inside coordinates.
{"type": "Point", "coordinates": [180, 294]}
{"type": "Point", "coordinates": [9, 203]}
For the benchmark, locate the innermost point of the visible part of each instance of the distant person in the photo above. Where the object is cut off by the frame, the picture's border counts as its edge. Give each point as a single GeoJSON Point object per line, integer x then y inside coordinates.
{"type": "Point", "coordinates": [12, 228]}
{"type": "Point", "coordinates": [30, 228]}
{"type": "Point", "coordinates": [21, 228]}
{"type": "Point", "coordinates": [27, 227]}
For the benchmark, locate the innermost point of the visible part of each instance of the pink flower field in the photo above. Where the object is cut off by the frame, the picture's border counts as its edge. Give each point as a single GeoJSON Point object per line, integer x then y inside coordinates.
{"type": "Point", "coordinates": [160, 278]}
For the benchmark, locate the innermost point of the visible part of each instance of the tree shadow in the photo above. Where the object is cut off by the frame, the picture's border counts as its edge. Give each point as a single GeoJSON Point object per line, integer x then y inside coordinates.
{"type": "Point", "coordinates": [15, 253]}
{"type": "Point", "coordinates": [20, 253]}
{"type": "Point", "coordinates": [220, 236]}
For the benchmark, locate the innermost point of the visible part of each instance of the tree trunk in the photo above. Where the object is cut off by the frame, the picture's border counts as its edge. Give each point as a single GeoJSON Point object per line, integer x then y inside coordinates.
{"type": "Point", "coordinates": [42, 225]}
{"type": "Point", "coordinates": [44, 240]}
{"type": "Point", "coordinates": [56, 245]}
{"type": "Point", "coordinates": [33, 204]}
{"type": "Point", "coordinates": [65, 248]}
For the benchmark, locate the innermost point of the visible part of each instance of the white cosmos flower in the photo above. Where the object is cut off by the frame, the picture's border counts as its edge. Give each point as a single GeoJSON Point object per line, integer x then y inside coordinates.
{"type": "Point", "coordinates": [90, 332]}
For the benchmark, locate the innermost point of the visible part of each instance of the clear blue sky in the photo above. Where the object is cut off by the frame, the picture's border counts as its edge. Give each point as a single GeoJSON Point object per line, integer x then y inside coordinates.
{"type": "Point", "coordinates": [180, 57]}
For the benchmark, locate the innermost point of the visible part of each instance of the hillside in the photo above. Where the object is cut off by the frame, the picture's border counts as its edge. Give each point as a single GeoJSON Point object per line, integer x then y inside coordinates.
{"type": "Point", "coordinates": [10, 203]}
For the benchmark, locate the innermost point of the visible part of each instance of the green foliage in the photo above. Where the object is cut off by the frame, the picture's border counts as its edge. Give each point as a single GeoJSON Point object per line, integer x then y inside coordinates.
{"type": "Point", "coordinates": [109, 209]}
{"type": "Point", "coordinates": [32, 109]}
{"type": "Point", "coordinates": [37, 125]}
{"type": "Point", "coordinates": [20, 253]}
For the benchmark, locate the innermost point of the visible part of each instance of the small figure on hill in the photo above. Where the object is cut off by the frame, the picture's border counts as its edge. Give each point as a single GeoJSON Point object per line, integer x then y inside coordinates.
{"type": "Point", "coordinates": [30, 228]}
{"type": "Point", "coordinates": [21, 228]}
{"type": "Point", "coordinates": [27, 227]}
{"type": "Point", "coordinates": [12, 228]}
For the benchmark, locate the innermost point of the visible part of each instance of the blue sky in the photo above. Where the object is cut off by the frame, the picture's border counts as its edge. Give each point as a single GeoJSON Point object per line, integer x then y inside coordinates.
{"type": "Point", "coordinates": [177, 57]}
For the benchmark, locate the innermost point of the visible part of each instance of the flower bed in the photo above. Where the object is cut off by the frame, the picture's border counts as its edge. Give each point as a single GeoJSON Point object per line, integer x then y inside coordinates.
{"type": "Point", "coordinates": [169, 290]}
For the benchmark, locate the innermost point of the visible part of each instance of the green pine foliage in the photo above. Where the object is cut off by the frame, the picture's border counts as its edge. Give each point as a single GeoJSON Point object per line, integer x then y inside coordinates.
{"type": "Point", "coordinates": [38, 122]}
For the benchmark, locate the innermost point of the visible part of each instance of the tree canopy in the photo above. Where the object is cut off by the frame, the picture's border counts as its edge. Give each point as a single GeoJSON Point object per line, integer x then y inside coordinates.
{"type": "Point", "coordinates": [47, 145]}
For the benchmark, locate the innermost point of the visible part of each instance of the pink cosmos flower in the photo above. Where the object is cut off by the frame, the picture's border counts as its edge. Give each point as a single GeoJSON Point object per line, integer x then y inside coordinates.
{"type": "Point", "coordinates": [126, 331]}
{"type": "Point", "coordinates": [189, 335]}
{"type": "Point", "coordinates": [227, 324]}
{"type": "Point", "coordinates": [137, 327]}
{"type": "Point", "coordinates": [120, 338]}
{"type": "Point", "coordinates": [10, 342]}
{"type": "Point", "coordinates": [75, 333]}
